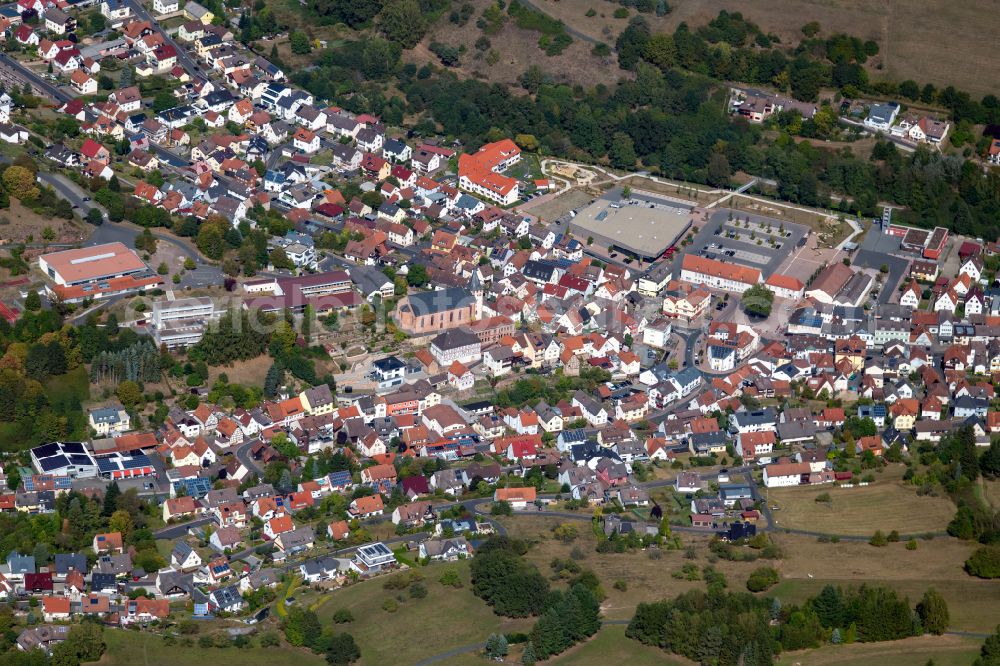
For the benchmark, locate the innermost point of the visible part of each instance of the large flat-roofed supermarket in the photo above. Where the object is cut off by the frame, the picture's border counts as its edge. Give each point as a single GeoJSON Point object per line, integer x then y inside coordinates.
{"type": "Point", "coordinates": [641, 227]}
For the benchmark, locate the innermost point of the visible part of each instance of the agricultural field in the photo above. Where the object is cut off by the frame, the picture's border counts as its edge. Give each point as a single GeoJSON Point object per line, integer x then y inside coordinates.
{"type": "Point", "coordinates": [888, 504]}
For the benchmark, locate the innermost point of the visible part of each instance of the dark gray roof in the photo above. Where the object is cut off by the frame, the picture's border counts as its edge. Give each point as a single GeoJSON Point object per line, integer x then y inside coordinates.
{"type": "Point", "coordinates": [442, 300]}
{"type": "Point", "coordinates": [455, 338]}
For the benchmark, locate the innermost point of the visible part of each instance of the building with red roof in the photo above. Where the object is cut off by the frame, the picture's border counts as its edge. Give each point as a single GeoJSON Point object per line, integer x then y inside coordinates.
{"type": "Point", "coordinates": [482, 172]}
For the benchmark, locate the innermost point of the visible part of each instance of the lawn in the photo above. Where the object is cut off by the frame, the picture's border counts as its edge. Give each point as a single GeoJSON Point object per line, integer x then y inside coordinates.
{"type": "Point", "coordinates": [943, 650]}
{"type": "Point", "coordinates": [128, 648]}
{"type": "Point", "coordinates": [445, 619]}
{"type": "Point", "coordinates": [74, 384]}
{"type": "Point", "coordinates": [888, 504]}
{"type": "Point", "coordinates": [610, 644]}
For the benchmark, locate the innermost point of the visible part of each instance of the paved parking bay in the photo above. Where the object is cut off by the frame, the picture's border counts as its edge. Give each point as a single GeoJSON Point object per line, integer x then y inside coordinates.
{"type": "Point", "coordinates": [764, 258]}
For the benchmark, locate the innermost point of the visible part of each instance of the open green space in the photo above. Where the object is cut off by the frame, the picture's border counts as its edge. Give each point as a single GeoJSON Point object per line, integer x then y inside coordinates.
{"type": "Point", "coordinates": [129, 648]}
{"type": "Point", "coordinates": [943, 650]}
{"type": "Point", "coordinates": [887, 504]}
{"type": "Point", "coordinates": [972, 603]}
{"type": "Point", "coordinates": [445, 619]}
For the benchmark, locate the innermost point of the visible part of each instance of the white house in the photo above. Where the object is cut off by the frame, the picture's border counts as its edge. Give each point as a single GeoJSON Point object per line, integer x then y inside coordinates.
{"type": "Point", "coordinates": [881, 117]}
{"type": "Point", "coordinates": [305, 140]}
{"type": "Point", "coordinates": [109, 420]}
{"type": "Point", "coordinates": [780, 475]}
{"type": "Point", "coordinates": [166, 6]}
{"type": "Point", "coordinates": [115, 10]}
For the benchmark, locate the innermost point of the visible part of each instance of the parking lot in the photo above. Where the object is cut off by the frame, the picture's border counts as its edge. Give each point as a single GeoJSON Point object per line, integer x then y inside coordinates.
{"type": "Point", "coordinates": [763, 257]}
{"type": "Point", "coordinates": [878, 249]}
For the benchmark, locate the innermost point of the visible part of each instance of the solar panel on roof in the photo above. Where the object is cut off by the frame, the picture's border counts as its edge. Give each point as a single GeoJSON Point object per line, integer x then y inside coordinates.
{"type": "Point", "coordinates": [53, 462]}
{"type": "Point", "coordinates": [135, 462]}
{"type": "Point", "coordinates": [106, 466]}
{"type": "Point", "coordinates": [73, 447]}
{"type": "Point", "coordinates": [380, 548]}
{"type": "Point", "coordinates": [45, 450]}
{"type": "Point", "coordinates": [80, 459]}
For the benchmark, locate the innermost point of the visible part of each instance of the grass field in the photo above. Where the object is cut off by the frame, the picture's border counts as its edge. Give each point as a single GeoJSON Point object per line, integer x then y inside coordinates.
{"type": "Point", "coordinates": [446, 618]}
{"type": "Point", "coordinates": [807, 566]}
{"type": "Point", "coordinates": [885, 505]}
{"type": "Point", "coordinates": [610, 645]}
{"type": "Point", "coordinates": [75, 383]}
{"type": "Point", "coordinates": [248, 373]}
{"type": "Point", "coordinates": [917, 38]}
{"type": "Point", "coordinates": [944, 650]}
{"type": "Point", "coordinates": [128, 648]}
{"type": "Point", "coordinates": [972, 603]}
{"type": "Point", "coordinates": [991, 493]}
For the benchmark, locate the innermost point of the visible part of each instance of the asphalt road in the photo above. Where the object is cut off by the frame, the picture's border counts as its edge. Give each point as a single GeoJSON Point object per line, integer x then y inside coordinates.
{"type": "Point", "coordinates": [36, 81]}
{"type": "Point", "coordinates": [242, 453]}
{"type": "Point", "coordinates": [180, 529]}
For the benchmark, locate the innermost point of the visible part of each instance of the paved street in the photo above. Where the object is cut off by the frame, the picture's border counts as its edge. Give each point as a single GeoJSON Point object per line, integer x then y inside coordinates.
{"type": "Point", "coordinates": [36, 81]}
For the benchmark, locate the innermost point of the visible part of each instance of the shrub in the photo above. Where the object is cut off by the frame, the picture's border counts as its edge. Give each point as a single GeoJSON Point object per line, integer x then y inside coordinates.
{"type": "Point", "coordinates": [879, 540]}
{"type": "Point", "coordinates": [911, 544]}
{"type": "Point", "coordinates": [985, 562]}
{"type": "Point", "coordinates": [343, 616]}
{"type": "Point", "coordinates": [451, 577]}
{"type": "Point", "coordinates": [620, 585]}
{"type": "Point", "coordinates": [762, 579]}
{"type": "Point", "coordinates": [390, 605]}
{"type": "Point", "coordinates": [418, 591]}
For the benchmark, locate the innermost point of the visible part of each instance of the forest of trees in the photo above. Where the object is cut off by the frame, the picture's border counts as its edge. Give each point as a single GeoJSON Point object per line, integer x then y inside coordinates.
{"type": "Point", "coordinates": [727, 628]}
